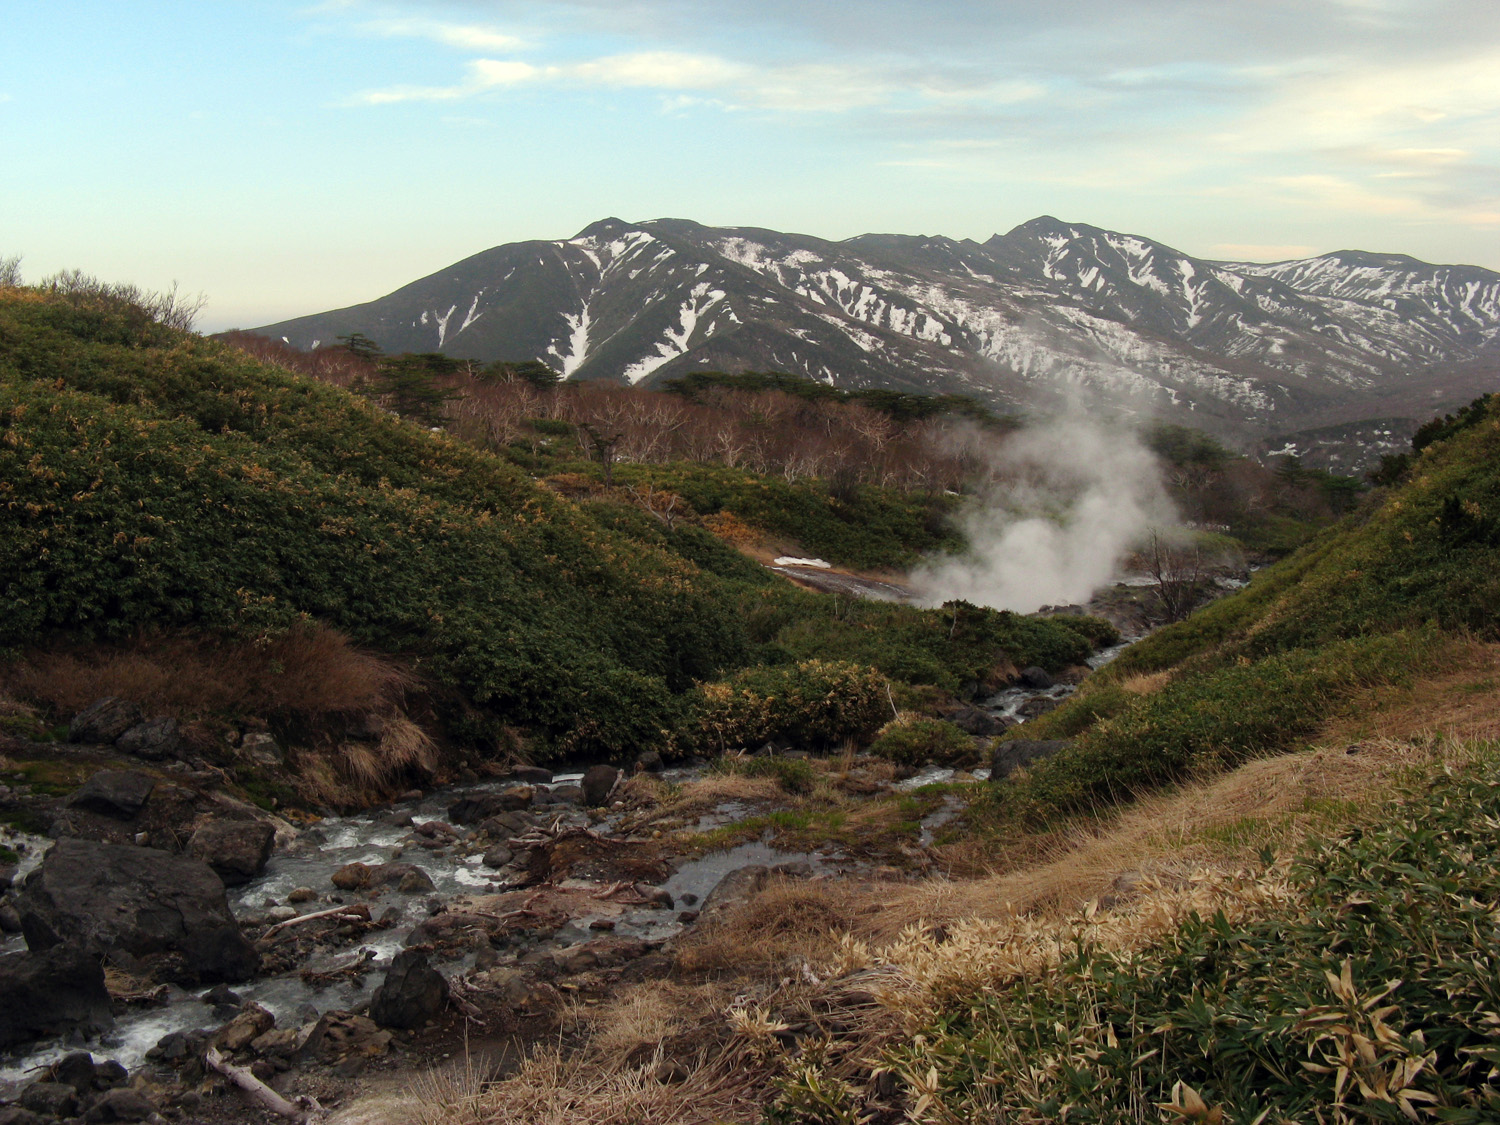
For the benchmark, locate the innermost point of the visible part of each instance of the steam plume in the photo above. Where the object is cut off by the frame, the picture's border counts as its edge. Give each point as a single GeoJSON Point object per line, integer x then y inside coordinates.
{"type": "Point", "coordinates": [1065, 502]}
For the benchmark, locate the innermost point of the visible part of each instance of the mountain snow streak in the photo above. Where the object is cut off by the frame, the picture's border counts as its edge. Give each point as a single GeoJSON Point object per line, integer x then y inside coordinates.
{"type": "Point", "coordinates": [1049, 313]}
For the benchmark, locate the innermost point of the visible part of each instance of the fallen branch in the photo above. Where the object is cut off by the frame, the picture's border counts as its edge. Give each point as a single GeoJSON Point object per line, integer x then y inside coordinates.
{"type": "Point", "coordinates": [305, 1110]}
{"type": "Point", "coordinates": [358, 911]}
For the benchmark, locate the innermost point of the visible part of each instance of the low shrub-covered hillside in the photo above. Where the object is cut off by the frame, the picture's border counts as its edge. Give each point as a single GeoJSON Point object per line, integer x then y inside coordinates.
{"type": "Point", "coordinates": [1370, 602]}
{"type": "Point", "coordinates": [152, 480]}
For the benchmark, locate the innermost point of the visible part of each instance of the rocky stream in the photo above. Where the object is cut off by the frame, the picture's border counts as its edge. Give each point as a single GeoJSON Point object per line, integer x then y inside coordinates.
{"type": "Point", "coordinates": [161, 937]}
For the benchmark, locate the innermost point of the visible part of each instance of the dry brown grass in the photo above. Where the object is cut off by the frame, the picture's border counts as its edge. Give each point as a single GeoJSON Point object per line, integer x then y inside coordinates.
{"type": "Point", "coordinates": [788, 924]}
{"type": "Point", "coordinates": [1146, 683]}
{"type": "Point", "coordinates": [306, 672]}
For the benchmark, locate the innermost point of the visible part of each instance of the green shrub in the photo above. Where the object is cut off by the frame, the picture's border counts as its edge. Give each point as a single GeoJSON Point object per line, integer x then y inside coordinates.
{"type": "Point", "coordinates": [815, 705]}
{"type": "Point", "coordinates": [1382, 956]}
{"type": "Point", "coordinates": [912, 741]}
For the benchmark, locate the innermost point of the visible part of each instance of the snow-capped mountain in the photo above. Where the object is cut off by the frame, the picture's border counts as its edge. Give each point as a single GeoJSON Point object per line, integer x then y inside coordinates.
{"type": "Point", "coordinates": [1049, 311]}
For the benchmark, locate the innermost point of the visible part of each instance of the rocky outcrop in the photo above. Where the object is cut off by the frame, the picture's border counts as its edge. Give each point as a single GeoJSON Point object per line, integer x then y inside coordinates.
{"type": "Point", "coordinates": [1008, 757]}
{"type": "Point", "coordinates": [103, 720]}
{"type": "Point", "coordinates": [117, 793]}
{"type": "Point", "coordinates": [413, 992]}
{"type": "Point", "coordinates": [51, 992]}
{"type": "Point", "coordinates": [113, 898]}
{"type": "Point", "coordinates": [237, 850]}
{"type": "Point", "coordinates": [1035, 677]}
{"type": "Point", "coordinates": [154, 740]}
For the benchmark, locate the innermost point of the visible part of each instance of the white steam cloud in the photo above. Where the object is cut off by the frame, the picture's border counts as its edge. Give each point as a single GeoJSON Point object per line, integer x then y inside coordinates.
{"type": "Point", "coordinates": [1065, 503]}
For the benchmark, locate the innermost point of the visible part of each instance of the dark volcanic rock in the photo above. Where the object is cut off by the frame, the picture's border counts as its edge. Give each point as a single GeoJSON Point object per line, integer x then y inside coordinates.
{"type": "Point", "coordinates": [975, 721]}
{"type": "Point", "coordinates": [482, 806]}
{"type": "Point", "coordinates": [1035, 677]}
{"type": "Point", "coordinates": [51, 992]}
{"type": "Point", "coordinates": [598, 784]}
{"type": "Point", "coordinates": [1010, 756]}
{"type": "Point", "coordinates": [140, 901]}
{"type": "Point", "coordinates": [117, 793]}
{"type": "Point", "coordinates": [50, 1099]}
{"type": "Point", "coordinates": [121, 1105]}
{"type": "Point", "coordinates": [103, 720]}
{"type": "Point", "coordinates": [237, 850]}
{"type": "Point", "coordinates": [412, 994]}
{"type": "Point", "coordinates": [155, 740]}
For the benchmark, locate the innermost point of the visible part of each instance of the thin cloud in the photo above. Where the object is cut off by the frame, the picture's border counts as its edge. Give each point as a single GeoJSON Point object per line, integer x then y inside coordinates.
{"type": "Point", "coordinates": [465, 36]}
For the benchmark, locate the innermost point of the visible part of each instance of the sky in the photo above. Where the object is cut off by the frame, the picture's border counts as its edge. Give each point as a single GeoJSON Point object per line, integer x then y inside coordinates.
{"type": "Point", "coordinates": [284, 158]}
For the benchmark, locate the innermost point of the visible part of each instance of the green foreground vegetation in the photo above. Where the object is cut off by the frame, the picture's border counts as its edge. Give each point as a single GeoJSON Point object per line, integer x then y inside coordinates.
{"type": "Point", "coordinates": [1369, 993]}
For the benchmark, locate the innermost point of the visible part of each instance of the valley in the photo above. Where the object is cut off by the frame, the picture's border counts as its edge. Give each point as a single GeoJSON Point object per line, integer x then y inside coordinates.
{"type": "Point", "coordinates": [389, 741]}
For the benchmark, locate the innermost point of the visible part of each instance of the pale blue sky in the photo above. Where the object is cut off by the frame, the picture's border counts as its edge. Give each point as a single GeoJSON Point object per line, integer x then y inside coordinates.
{"type": "Point", "coordinates": [284, 158]}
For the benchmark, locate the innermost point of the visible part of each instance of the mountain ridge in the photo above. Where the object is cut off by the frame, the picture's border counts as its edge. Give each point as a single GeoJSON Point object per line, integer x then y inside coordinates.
{"type": "Point", "coordinates": [1046, 313]}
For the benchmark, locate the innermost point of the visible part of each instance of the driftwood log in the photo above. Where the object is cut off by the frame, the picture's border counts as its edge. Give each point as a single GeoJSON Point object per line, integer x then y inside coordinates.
{"type": "Point", "coordinates": [303, 1111]}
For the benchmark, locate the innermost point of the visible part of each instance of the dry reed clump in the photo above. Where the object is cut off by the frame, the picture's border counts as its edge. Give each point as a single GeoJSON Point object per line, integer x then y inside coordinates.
{"type": "Point", "coordinates": [927, 966]}
{"type": "Point", "coordinates": [553, 1086]}
{"type": "Point", "coordinates": [789, 923]}
{"type": "Point", "coordinates": [1146, 683]}
{"type": "Point", "coordinates": [404, 749]}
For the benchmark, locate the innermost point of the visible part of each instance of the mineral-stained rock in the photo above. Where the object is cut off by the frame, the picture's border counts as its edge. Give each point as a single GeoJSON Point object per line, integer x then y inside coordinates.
{"type": "Point", "coordinates": [51, 992]}
{"type": "Point", "coordinates": [117, 793]}
{"type": "Point", "coordinates": [103, 720]}
{"type": "Point", "coordinates": [237, 850]}
{"type": "Point", "coordinates": [338, 1035]}
{"type": "Point", "coordinates": [140, 901]}
{"type": "Point", "coordinates": [413, 993]}
{"type": "Point", "coordinates": [408, 877]}
{"type": "Point", "coordinates": [251, 1022]}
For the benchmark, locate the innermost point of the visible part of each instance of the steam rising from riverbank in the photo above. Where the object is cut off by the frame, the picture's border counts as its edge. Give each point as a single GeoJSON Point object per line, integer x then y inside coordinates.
{"type": "Point", "coordinates": [1065, 503]}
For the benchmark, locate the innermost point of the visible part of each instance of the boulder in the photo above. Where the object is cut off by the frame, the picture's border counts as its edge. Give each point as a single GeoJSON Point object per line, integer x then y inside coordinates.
{"type": "Point", "coordinates": [649, 762]}
{"type": "Point", "coordinates": [598, 783]}
{"type": "Point", "coordinates": [155, 740]}
{"type": "Point", "coordinates": [122, 1104]}
{"type": "Point", "coordinates": [339, 1035]}
{"type": "Point", "coordinates": [117, 793]}
{"type": "Point", "coordinates": [50, 1099]}
{"type": "Point", "coordinates": [1010, 756]}
{"type": "Point", "coordinates": [408, 877]}
{"type": "Point", "coordinates": [413, 992]}
{"type": "Point", "coordinates": [19, 1115]}
{"type": "Point", "coordinates": [103, 720]}
{"type": "Point", "coordinates": [567, 795]}
{"type": "Point", "coordinates": [737, 887]}
{"type": "Point", "coordinates": [51, 992]}
{"type": "Point", "coordinates": [237, 850]}
{"type": "Point", "coordinates": [976, 721]}
{"type": "Point", "coordinates": [140, 901]}
{"type": "Point", "coordinates": [1035, 677]}
{"type": "Point", "coordinates": [482, 806]}
{"type": "Point", "coordinates": [251, 1022]}
{"type": "Point", "coordinates": [497, 857]}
